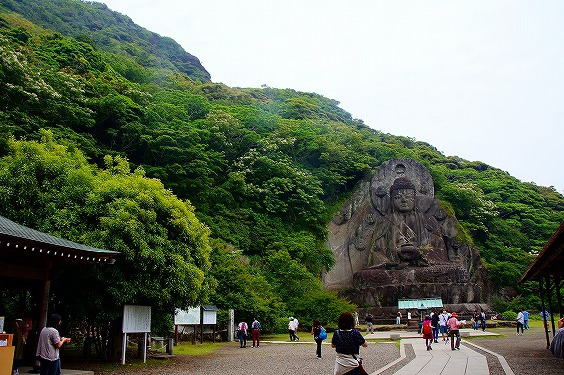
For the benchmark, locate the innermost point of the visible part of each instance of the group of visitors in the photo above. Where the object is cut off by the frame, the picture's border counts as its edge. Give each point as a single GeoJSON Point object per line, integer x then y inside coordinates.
{"type": "Point", "coordinates": [479, 320]}
{"type": "Point", "coordinates": [243, 331]}
{"type": "Point", "coordinates": [445, 323]}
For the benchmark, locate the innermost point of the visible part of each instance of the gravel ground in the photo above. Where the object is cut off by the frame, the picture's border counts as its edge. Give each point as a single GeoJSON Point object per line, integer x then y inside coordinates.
{"type": "Point", "coordinates": [526, 355]}
{"type": "Point", "coordinates": [291, 358]}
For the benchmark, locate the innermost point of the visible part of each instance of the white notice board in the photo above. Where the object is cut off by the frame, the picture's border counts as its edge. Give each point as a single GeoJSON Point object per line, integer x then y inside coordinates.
{"type": "Point", "coordinates": [136, 319]}
{"type": "Point", "coordinates": [187, 317]}
{"type": "Point", "coordinates": [210, 317]}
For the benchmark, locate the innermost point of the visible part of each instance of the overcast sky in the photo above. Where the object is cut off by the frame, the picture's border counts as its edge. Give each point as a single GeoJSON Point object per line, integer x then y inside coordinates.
{"type": "Point", "coordinates": [483, 80]}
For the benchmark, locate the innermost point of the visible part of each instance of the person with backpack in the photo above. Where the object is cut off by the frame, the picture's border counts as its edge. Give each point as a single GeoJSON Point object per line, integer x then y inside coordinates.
{"type": "Point", "coordinates": [443, 326]}
{"type": "Point", "coordinates": [242, 333]}
{"type": "Point", "coordinates": [319, 334]}
{"type": "Point", "coordinates": [255, 333]}
{"type": "Point", "coordinates": [427, 331]}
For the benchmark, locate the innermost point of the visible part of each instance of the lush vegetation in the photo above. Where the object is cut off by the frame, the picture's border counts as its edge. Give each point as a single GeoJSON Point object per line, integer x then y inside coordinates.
{"type": "Point", "coordinates": [213, 194]}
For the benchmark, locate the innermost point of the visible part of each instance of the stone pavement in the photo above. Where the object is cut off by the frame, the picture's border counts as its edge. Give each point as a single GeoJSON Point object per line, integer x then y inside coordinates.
{"type": "Point", "coordinates": [441, 359]}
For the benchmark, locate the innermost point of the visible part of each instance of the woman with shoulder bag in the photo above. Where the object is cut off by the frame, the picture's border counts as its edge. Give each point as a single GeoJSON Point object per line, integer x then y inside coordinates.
{"type": "Point", "coordinates": [347, 342]}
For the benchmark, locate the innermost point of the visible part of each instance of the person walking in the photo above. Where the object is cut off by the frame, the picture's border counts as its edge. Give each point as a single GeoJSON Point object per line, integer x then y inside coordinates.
{"type": "Point", "coordinates": [427, 331]}
{"type": "Point", "coordinates": [242, 333]}
{"type": "Point", "coordinates": [319, 334]}
{"type": "Point", "coordinates": [443, 320]}
{"type": "Point", "coordinates": [292, 329]}
{"type": "Point", "coordinates": [545, 315]}
{"type": "Point", "coordinates": [520, 321]}
{"type": "Point", "coordinates": [369, 324]}
{"type": "Point", "coordinates": [435, 324]}
{"type": "Point", "coordinates": [255, 333]}
{"type": "Point", "coordinates": [526, 319]}
{"type": "Point", "coordinates": [48, 347]}
{"type": "Point", "coordinates": [347, 342]}
{"type": "Point", "coordinates": [454, 331]}
{"type": "Point", "coordinates": [296, 327]}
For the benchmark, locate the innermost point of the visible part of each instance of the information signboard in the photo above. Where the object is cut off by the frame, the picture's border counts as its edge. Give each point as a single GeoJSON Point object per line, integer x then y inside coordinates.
{"type": "Point", "coordinates": [136, 319]}
{"type": "Point", "coordinates": [187, 317]}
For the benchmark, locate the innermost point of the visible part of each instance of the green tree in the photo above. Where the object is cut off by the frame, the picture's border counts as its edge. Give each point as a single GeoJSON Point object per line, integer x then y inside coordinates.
{"type": "Point", "coordinates": [164, 260]}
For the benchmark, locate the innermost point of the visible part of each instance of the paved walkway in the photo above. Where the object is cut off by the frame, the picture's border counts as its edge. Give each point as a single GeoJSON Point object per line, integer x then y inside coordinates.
{"type": "Point", "coordinates": [441, 359]}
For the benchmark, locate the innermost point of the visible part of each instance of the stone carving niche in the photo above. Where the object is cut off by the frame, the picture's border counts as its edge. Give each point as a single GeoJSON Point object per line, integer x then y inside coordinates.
{"type": "Point", "coordinates": [392, 240]}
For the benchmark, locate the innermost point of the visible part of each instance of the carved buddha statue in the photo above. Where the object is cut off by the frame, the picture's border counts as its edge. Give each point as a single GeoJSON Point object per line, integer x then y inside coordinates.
{"type": "Point", "coordinates": [404, 236]}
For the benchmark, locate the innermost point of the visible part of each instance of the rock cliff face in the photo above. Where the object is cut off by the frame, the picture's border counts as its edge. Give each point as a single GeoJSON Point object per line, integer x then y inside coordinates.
{"type": "Point", "coordinates": [392, 240]}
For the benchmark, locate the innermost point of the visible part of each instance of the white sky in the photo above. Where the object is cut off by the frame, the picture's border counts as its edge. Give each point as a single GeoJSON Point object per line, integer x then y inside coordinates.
{"type": "Point", "coordinates": [480, 79]}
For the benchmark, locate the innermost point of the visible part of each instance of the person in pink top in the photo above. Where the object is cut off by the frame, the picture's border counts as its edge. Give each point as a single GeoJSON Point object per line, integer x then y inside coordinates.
{"type": "Point", "coordinates": [454, 331]}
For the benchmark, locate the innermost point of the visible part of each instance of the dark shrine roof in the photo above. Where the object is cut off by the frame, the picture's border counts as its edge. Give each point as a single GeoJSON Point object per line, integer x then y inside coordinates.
{"type": "Point", "coordinates": [550, 260]}
{"type": "Point", "coordinates": [14, 237]}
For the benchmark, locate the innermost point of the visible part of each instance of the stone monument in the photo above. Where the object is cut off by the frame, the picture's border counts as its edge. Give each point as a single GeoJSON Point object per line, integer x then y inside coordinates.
{"type": "Point", "coordinates": [393, 240]}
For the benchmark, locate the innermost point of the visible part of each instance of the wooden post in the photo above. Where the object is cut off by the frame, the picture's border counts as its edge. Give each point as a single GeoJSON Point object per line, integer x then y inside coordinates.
{"type": "Point", "coordinates": [558, 294]}
{"type": "Point", "coordinates": [544, 321]}
{"type": "Point", "coordinates": [201, 333]}
{"type": "Point", "coordinates": [43, 310]}
{"type": "Point", "coordinates": [176, 334]}
{"type": "Point", "coordinates": [549, 299]}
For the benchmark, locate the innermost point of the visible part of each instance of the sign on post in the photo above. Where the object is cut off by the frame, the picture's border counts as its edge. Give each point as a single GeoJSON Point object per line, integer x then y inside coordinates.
{"type": "Point", "coordinates": [136, 319]}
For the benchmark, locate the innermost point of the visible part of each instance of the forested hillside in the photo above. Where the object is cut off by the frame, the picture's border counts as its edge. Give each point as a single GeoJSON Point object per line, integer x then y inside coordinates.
{"type": "Point", "coordinates": [143, 155]}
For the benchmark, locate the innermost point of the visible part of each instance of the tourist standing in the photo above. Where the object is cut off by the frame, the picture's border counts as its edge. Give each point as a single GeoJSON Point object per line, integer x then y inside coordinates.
{"type": "Point", "coordinates": [483, 320]}
{"type": "Point", "coordinates": [369, 325]}
{"type": "Point", "coordinates": [316, 331]}
{"type": "Point", "coordinates": [398, 318]}
{"type": "Point", "coordinates": [454, 331]}
{"type": "Point", "coordinates": [347, 342]}
{"type": "Point", "coordinates": [48, 347]}
{"type": "Point", "coordinates": [475, 320]}
{"type": "Point", "coordinates": [17, 328]}
{"type": "Point", "coordinates": [242, 333]}
{"type": "Point", "coordinates": [520, 321]}
{"type": "Point", "coordinates": [435, 324]}
{"type": "Point", "coordinates": [255, 333]}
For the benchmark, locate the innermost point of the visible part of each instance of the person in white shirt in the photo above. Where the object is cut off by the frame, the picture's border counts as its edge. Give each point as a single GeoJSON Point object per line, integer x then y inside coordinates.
{"type": "Point", "coordinates": [443, 328]}
{"type": "Point", "coordinates": [242, 329]}
{"type": "Point", "coordinates": [520, 322]}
